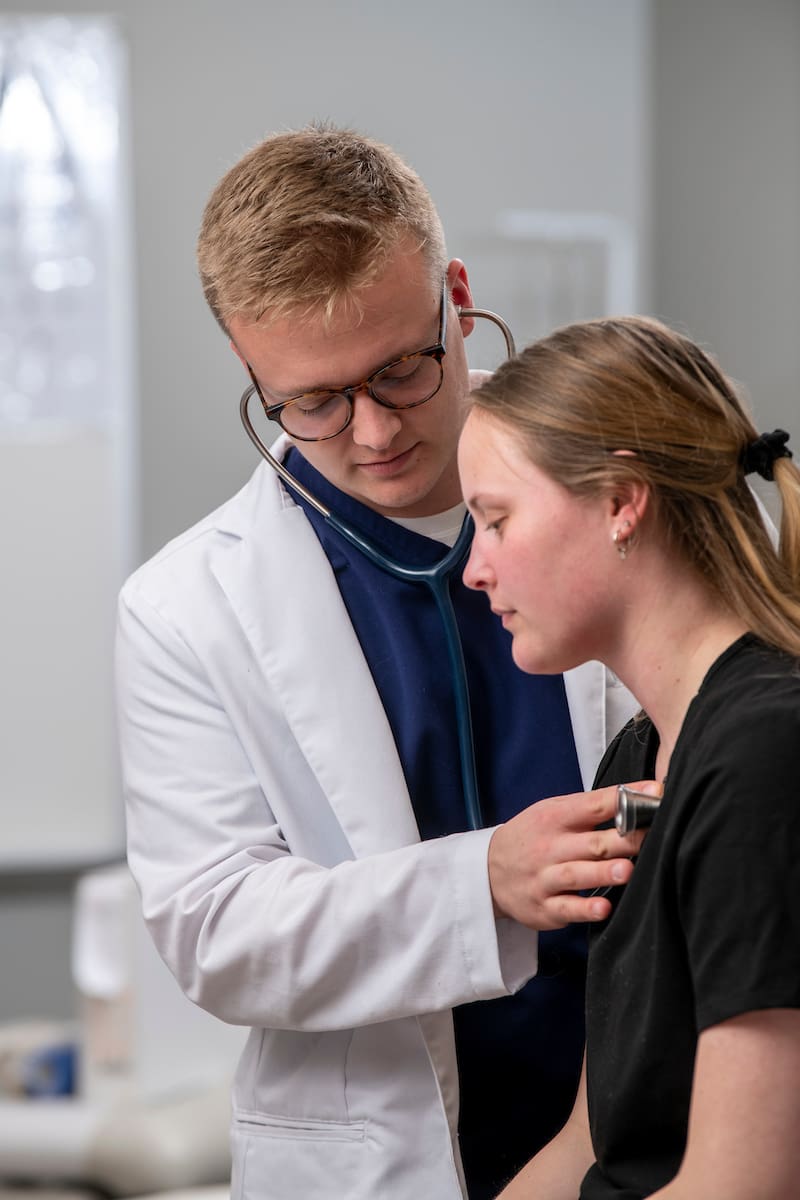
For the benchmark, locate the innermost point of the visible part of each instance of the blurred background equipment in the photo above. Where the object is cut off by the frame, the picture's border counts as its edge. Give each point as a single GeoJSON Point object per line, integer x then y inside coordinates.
{"type": "Point", "coordinates": [135, 1096]}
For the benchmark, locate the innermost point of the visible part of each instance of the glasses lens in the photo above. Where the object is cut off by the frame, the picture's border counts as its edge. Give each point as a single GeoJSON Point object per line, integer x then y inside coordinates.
{"type": "Point", "coordinates": [409, 382]}
{"type": "Point", "coordinates": [316, 416]}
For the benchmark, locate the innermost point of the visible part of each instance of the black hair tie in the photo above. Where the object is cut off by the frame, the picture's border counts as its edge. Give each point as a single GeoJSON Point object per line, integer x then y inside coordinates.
{"type": "Point", "coordinates": [761, 454]}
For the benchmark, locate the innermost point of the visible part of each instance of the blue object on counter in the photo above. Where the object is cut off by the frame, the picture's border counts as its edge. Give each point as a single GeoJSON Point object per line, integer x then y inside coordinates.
{"type": "Point", "coordinates": [51, 1071]}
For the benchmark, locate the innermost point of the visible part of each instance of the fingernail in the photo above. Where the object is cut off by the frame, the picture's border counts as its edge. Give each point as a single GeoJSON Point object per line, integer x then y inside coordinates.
{"type": "Point", "coordinates": [618, 872]}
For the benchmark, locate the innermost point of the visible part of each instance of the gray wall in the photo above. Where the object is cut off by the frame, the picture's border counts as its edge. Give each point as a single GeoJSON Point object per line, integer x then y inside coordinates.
{"type": "Point", "coordinates": [726, 188]}
{"type": "Point", "coordinates": [680, 116]}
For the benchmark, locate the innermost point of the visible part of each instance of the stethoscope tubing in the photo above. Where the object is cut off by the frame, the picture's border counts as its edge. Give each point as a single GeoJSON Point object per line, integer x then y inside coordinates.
{"type": "Point", "coordinates": [435, 577]}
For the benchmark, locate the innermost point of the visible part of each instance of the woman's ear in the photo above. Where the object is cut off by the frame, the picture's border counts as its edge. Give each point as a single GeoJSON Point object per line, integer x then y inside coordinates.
{"type": "Point", "coordinates": [628, 505]}
{"type": "Point", "coordinates": [631, 495]}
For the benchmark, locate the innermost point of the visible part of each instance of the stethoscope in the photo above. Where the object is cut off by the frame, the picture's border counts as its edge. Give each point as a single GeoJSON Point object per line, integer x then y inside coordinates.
{"type": "Point", "coordinates": [435, 577]}
{"type": "Point", "coordinates": [634, 810]}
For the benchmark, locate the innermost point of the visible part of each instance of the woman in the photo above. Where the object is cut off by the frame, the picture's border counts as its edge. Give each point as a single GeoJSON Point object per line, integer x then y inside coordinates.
{"type": "Point", "coordinates": [605, 468]}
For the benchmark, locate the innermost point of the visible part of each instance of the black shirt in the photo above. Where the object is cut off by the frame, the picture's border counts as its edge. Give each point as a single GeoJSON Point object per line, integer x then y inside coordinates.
{"type": "Point", "coordinates": [709, 925]}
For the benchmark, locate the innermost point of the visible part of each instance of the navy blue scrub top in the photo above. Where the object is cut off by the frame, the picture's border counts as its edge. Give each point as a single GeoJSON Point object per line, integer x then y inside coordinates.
{"type": "Point", "coordinates": [519, 1056]}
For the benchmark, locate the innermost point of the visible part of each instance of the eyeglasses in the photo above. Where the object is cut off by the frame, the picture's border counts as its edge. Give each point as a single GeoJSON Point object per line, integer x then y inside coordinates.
{"type": "Point", "coordinates": [404, 382]}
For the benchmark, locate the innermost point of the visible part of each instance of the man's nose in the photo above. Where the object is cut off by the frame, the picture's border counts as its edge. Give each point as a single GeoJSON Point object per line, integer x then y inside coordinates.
{"type": "Point", "coordinates": [373, 425]}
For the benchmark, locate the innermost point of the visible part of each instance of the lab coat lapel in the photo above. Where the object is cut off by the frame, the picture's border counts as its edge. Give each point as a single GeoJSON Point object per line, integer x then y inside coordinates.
{"type": "Point", "coordinates": [281, 587]}
{"type": "Point", "coordinates": [585, 686]}
{"type": "Point", "coordinates": [599, 706]}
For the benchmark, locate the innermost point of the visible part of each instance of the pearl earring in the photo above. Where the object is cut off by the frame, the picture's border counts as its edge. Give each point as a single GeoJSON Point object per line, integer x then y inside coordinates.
{"type": "Point", "coordinates": [623, 540]}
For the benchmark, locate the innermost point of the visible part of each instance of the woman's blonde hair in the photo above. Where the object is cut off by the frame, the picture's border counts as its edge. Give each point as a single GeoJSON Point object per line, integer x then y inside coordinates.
{"type": "Point", "coordinates": [306, 219]}
{"type": "Point", "coordinates": [631, 383]}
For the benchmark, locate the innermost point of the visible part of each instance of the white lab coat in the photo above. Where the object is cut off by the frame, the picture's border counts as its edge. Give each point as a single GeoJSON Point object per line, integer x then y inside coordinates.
{"type": "Point", "coordinates": [282, 877]}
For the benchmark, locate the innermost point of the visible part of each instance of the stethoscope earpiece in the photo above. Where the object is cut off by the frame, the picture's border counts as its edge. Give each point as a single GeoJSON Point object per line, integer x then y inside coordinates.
{"type": "Point", "coordinates": [490, 316]}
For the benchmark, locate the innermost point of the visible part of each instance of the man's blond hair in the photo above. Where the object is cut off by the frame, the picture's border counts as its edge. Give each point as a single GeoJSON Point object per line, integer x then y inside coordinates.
{"type": "Point", "coordinates": [306, 219]}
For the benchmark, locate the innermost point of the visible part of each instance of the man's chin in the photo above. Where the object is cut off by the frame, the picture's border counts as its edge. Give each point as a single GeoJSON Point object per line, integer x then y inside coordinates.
{"type": "Point", "coordinates": [413, 495]}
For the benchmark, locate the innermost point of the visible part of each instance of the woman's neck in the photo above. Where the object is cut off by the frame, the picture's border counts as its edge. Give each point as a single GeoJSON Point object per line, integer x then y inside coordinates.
{"type": "Point", "coordinates": [672, 634]}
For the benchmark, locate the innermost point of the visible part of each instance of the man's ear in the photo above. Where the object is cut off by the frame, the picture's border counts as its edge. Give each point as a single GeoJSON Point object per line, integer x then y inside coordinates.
{"type": "Point", "coordinates": [238, 353]}
{"type": "Point", "coordinates": [460, 293]}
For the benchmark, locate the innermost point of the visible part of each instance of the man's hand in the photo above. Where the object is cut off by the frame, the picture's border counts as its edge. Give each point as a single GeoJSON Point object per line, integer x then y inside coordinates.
{"type": "Point", "coordinates": [541, 859]}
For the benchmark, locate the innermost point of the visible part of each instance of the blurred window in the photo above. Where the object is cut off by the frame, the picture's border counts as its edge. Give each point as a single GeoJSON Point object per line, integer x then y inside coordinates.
{"type": "Point", "coordinates": [59, 218]}
{"type": "Point", "coordinates": [66, 419]}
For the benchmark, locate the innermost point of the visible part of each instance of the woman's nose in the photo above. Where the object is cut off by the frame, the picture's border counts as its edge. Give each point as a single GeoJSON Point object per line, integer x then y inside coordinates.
{"type": "Point", "coordinates": [475, 574]}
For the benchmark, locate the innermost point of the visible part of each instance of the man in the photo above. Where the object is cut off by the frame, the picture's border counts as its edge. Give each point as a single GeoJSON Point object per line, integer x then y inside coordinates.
{"type": "Point", "coordinates": [295, 806]}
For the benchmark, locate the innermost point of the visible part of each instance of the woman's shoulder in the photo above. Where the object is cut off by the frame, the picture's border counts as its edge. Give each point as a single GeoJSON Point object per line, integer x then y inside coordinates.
{"type": "Point", "coordinates": [740, 745]}
{"type": "Point", "coordinates": [751, 686]}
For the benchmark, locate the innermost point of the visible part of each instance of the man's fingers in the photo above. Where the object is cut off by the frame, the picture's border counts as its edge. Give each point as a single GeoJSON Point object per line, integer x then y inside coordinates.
{"type": "Point", "coordinates": [597, 845]}
{"type": "Point", "coordinates": [578, 892]}
{"type": "Point", "coordinates": [541, 860]}
{"type": "Point", "coordinates": [580, 910]}
{"type": "Point", "coordinates": [584, 809]}
{"type": "Point", "coordinates": [580, 876]}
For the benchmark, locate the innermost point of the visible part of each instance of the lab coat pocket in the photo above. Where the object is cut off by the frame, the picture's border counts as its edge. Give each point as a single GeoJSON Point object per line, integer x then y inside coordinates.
{"type": "Point", "coordinates": [281, 1159]}
{"type": "Point", "coordinates": [268, 1125]}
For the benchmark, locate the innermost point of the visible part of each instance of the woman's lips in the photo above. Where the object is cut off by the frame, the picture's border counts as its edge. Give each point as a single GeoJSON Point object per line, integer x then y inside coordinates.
{"type": "Point", "coordinates": [505, 615]}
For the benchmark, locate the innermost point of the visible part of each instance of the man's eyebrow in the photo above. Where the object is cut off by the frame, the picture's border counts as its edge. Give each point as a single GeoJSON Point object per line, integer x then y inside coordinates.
{"type": "Point", "coordinates": [410, 350]}
{"type": "Point", "coordinates": [335, 387]}
{"type": "Point", "coordinates": [332, 387]}
{"type": "Point", "coordinates": [276, 397]}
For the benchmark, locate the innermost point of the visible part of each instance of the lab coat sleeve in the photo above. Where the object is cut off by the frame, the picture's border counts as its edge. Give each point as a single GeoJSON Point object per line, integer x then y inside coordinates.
{"type": "Point", "coordinates": [259, 935]}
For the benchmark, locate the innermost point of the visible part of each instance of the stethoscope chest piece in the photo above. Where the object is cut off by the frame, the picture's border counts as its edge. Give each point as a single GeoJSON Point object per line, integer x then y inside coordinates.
{"type": "Point", "coordinates": [635, 810]}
